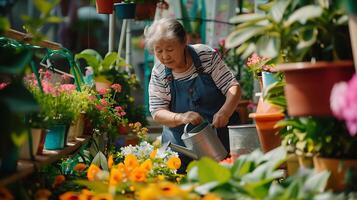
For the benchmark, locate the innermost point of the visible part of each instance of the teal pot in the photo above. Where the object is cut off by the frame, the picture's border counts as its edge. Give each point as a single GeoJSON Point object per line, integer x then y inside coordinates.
{"type": "Point", "coordinates": [125, 10]}
{"type": "Point", "coordinates": [268, 78]}
{"type": "Point", "coordinates": [351, 6]}
{"type": "Point", "coordinates": [243, 139]}
{"type": "Point", "coordinates": [8, 162]}
{"type": "Point", "coordinates": [55, 137]}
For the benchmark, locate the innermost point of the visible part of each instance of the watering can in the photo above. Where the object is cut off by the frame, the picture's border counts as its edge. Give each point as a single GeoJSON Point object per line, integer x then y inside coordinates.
{"type": "Point", "coordinates": [201, 141]}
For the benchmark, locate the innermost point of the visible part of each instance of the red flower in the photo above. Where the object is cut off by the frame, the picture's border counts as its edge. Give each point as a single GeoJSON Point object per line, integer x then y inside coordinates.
{"type": "Point", "coordinates": [102, 91]}
{"type": "Point", "coordinates": [3, 85]}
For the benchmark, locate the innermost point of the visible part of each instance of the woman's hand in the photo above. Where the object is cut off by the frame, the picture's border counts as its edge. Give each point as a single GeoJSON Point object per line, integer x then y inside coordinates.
{"type": "Point", "coordinates": [190, 117]}
{"type": "Point", "coordinates": [220, 119]}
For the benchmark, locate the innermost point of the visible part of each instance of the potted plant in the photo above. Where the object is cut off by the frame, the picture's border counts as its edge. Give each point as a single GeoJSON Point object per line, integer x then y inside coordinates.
{"type": "Point", "coordinates": [292, 31]}
{"type": "Point", "coordinates": [145, 9]}
{"type": "Point", "coordinates": [104, 6]}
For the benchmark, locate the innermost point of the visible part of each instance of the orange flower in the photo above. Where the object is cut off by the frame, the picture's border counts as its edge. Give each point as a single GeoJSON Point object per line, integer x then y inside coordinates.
{"type": "Point", "coordinates": [92, 171]}
{"type": "Point", "coordinates": [147, 165]}
{"type": "Point", "coordinates": [138, 175]}
{"type": "Point", "coordinates": [110, 161]}
{"type": "Point", "coordinates": [211, 196]}
{"type": "Point", "coordinates": [69, 196]}
{"type": "Point", "coordinates": [153, 154]}
{"type": "Point", "coordinates": [86, 194]}
{"type": "Point", "coordinates": [5, 194]}
{"type": "Point", "coordinates": [42, 194]}
{"type": "Point", "coordinates": [80, 167]}
{"type": "Point", "coordinates": [174, 163]}
{"type": "Point", "coordinates": [131, 161]}
{"type": "Point", "coordinates": [115, 176]}
{"type": "Point", "coordinates": [103, 197]}
{"type": "Point", "coordinates": [59, 179]}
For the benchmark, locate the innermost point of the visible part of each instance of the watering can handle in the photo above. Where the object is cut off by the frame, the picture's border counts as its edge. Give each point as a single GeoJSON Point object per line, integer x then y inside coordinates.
{"type": "Point", "coordinates": [185, 129]}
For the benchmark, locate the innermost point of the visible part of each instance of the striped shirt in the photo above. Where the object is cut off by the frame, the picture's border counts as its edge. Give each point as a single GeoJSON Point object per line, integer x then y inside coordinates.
{"type": "Point", "coordinates": [159, 88]}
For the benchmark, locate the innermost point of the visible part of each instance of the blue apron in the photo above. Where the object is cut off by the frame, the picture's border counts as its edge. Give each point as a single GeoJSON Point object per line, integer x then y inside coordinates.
{"type": "Point", "coordinates": [200, 95]}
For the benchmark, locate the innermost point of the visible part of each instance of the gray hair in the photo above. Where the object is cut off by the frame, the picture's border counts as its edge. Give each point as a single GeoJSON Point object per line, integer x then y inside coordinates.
{"type": "Point", "coordinates": [166, 28]}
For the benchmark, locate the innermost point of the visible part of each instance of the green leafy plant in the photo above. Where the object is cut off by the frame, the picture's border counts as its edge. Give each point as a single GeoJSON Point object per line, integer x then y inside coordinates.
{"type": "Point", "coordinates": [293, 31]}
{"type": "Point", "coordinates": [325, 136]}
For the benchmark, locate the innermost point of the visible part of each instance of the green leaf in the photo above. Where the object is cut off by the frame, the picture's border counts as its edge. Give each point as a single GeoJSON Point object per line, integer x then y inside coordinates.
{"type": "Point", "coordinates": [206, 188]}
{"type": "Point", "coordinates": [54, 19]}
{"type": "Point", "coordinates": [90, 59]}
{"type": "Point", "coordinates": [267, 6]}
{"type": "Point", "coordinates": [4, 24]}
{"type": "Point", "coordinates": [250, 49]}
{"type": "Point", "coordinates": [303, 14]}
{"type": "Point", "coordinates": [97, 186]}
{"type": "Point", "coordinates": [244, 18]}
{"type": "Point", "coordinates": [317, 182]}
{"type": "Point", "coordinates": [109, 60]}
{"type": "Point", "coordinates": [268, 46]}
{"type": "Point", "coordinates": [18, 99]}
{"type": "Point", "coordinates": [307, 38]}
{"type": "Point", "coordinates": [43, 6]}
{"type": "Point", "coordinates": [19, 139]}
{"type": "Point", "coordinates": [238, 37]}
{"type": "Point", "coordinates": [278, 10]}
{"type": "Point", "coordinates": [205, 168]}
{"type": "Point", "coordinates": [101, 161]}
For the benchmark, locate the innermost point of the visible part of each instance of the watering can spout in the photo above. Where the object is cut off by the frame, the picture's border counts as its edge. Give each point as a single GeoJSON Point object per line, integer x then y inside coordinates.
{"type": "Point", "coordinates": [183, 150]}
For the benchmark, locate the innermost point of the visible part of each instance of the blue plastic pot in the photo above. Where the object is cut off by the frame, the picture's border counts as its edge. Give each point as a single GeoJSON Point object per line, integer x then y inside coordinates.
{"type": "Point", "coordinates": [268, 79]}
{"type": "Point", "coordinates": [55, 137]}
{"type": "Point", "coordinates": [125, 10]}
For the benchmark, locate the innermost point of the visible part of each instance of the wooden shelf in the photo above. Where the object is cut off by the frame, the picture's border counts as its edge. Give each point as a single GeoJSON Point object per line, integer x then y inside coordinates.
{"type": "Point", "coordinates": [23, 37]}
{"type": "Point", "coordinates": [27, 167]}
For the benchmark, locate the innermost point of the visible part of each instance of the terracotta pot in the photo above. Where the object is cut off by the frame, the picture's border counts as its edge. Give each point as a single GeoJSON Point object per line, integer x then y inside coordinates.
{"type": "Point", "coordinates": [292, 164]}
{"type": "Point", "coordinates": [104, 6]}
{"type": "Point", "coordinates": [145, 10]}
{"type": "Point", "coordinates": [242, 110]}
{"type": "Point", "coordinates": [338, 168]}
{"type": "Point", "coordinates": [305, 161]}
{"type": "Point", "coordinates": [308, 85]}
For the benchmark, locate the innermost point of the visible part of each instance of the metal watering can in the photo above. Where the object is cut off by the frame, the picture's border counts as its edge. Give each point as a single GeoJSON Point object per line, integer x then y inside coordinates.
{"type": "Point", "coordinates": [201, 141]}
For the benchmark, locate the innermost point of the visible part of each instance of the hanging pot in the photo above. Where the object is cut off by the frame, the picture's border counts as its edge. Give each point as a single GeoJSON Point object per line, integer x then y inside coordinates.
{"type": "Point", "coordinates": [145, 10]}
{"type": "Point", "coordinates": [308, 85]}
{"type": "Point", "coordinates": [125, 10]}
{"type": "Point", "coordinates": [104, 6]}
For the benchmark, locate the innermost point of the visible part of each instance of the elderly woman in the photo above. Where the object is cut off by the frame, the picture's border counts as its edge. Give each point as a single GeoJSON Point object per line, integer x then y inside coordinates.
{"type": "Point", "coordinates": [189, 84]}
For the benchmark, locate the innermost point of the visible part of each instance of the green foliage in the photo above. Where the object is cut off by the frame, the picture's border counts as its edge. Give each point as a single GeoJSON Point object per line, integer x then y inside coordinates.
{"type": "Point", "coordinates": [275, 94]}
{"type": "Point", "coordinates": [4, 24]}
{"type": "Point", "coordinates": [293, 31]}
{"type": "Point", "coordinates": [323, 135]}
{"type": "Point", "coordinates": [32, 25]}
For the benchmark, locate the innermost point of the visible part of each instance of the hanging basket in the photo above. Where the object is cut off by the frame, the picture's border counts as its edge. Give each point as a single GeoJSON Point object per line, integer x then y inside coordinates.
{"type": "Point", "coordinates": [125, 10]}
{"type": "Point", "coordinates": [145, 10]}
{"type": "Point", "coordinates": [104, 6]}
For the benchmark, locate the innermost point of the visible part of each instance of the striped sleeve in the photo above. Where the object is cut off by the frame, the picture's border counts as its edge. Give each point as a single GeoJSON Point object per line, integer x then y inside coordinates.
{"type": "Point", "coordinates": [159, 90]}
{"type": "Point", "coordinates": [220, 73]}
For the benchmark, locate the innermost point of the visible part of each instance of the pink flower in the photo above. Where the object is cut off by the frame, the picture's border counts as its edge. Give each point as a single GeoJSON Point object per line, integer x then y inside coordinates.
{"type": "Point", "coordinates": [118, 108]}
{"type": "Point", "coordinates": [122, 113]}
{"type": "Point", "coordinates": [116, 87]}
{"type": "Point", "coordinates": [65, 77]}
{"type": "Point", "coordinates": [103, 91]}
{"type": "Point", "coordinates": [92, 98]}
{"type": "Point", "coordinates": [338, 99]}
{"type": "Point", "coordinates": [222, 42]}
{"type": "Point", "coordinates": [67, 88]}
{"type": "Point", "coordinates": [254, 59]}
{"type": "Point", "coordinates": [47, 75]}
{"type": "Point", "coordinates": [47, 87]}
{"type": "Point", "coordinates": [103, 102]}
{"type": "Point", "coordinates": [99, 107]}
{"type": "Point", "coordinates": [343, 102]}
{"type": "Point", "coordinates": [3, 85]}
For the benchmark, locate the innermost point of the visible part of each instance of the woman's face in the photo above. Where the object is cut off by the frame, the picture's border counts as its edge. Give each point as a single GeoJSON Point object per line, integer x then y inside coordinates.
{"type": "Point", "coordinates": [171, 53]}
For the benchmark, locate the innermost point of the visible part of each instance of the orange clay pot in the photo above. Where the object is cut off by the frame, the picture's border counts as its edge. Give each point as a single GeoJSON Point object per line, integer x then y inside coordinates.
{"type": "Point", "coordinates": [338, 168]}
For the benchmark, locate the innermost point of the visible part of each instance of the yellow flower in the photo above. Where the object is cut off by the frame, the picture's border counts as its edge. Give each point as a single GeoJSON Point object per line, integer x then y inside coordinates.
{"type": "Point", "coordinates": [148, 193]}
{"type": "Point", "coordinates": [168, 189]}
{"type": "Point", "coordinates": [211, 196]}
{"type": "Point", "coordinates": [115, 176]}
{"type": "Point", "coordinates": [138, 175]}
{"type": "Point", "coordinates": [103, 197]}
{"type": "Point", "coordinates": [147, 165]}
{"type": "Point", "coordinates": [153, 154]}
{"type": "Point", "coordinates": [174, 163]}
{"type": "Point", "coordinates": [161, 177]}
{"type": "Point", "coordinates": [80, 167]}
{"type": "Point", "coordinates": [5, 194]}
{"type": "Point", "coordinates": [110, 161]}
{"type": "Point", "coordinates": [92, 171]}
{"type": "Point", "coordinates": [131, 161]}
{"type": "Point", "coordinates": [69, 196]}
{"type": "Point", "coordinates": [86, 194]}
